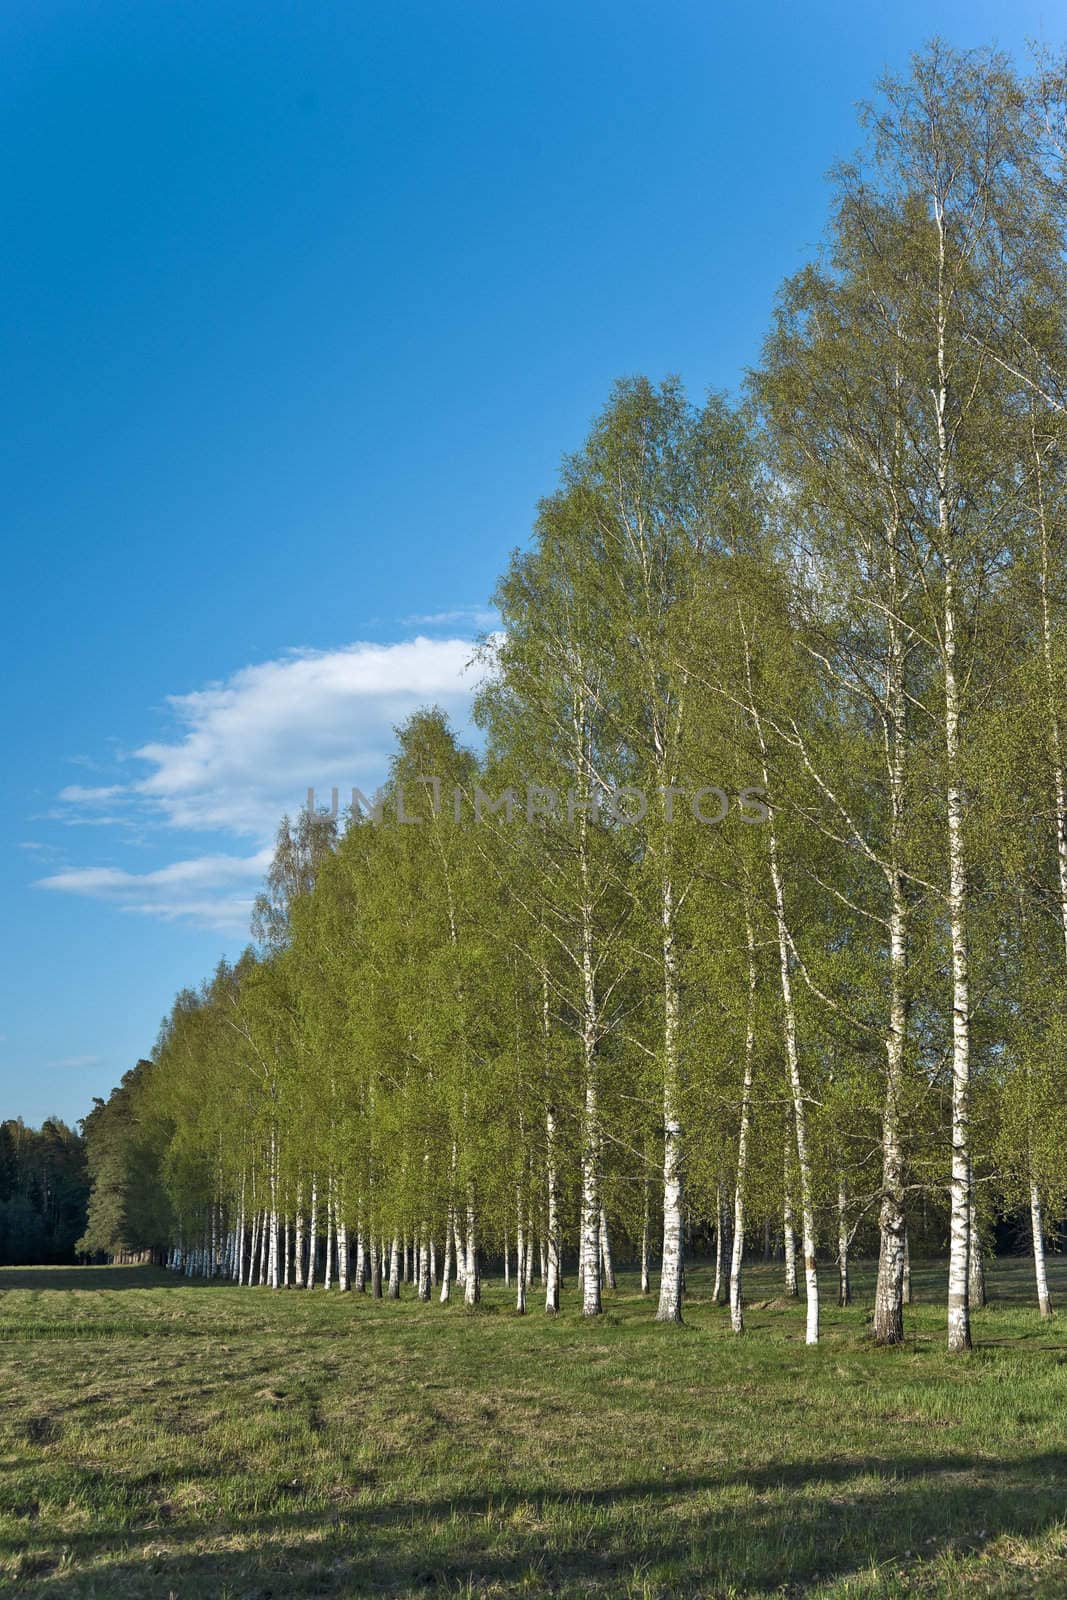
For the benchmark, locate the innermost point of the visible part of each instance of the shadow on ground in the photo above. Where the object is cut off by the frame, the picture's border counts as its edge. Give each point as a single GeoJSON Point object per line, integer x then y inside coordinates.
{"type": "Point", "coordinates": [809, 1523]}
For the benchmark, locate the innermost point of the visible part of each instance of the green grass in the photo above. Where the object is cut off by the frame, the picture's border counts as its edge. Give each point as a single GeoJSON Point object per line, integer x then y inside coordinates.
{"type": "Point", "coordinates": [162, 1438]}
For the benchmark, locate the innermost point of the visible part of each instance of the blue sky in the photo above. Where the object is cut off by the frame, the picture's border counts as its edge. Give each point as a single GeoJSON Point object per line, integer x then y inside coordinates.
{"type": "Point", "coordinates": [302, 303]}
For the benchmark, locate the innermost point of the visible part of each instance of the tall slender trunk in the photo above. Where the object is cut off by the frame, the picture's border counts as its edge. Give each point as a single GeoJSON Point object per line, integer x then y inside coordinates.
{"type": "Point", "coordinates": [425, 1280]}
{"type": "Point", "coordinates": [446, 1268]}
{"type": "Point", "coordinates": [672, 1267]}
{"type": "Point", "coordinates": [472, 1285]}
{"type": "Point", "coordinates": [1053, 703]}
{"type": "Point", "coordinates": [723, 1228]}
{"type": "Point", "coordinates": [737, 1318]}
{"type": "Point", "coordinates": [327, 1277]}
{"type": "Point", "coordinates": [253, 1246]}
{"type": "Point", "coordinates": [720, 1254]}
{"type": "Point", "coordinates": [605, 1252]}
{"type": "Point", "coordinates": [376, 1266]}
{"type": "Point", "coordinates": [361, 1263]}
{"type": "Point", "coordinates": [959, 1308]}
{"type": "Point", "coordinates": [552, 1278]}
{"type": "Point", "coordinates": [298, 1263]}
{"type": "Point", "coordinates": [888, 1327]}
{"type": "Point", "coordinates": [646, 1238]}
{"type": "Point", "coordinates": [313, 1236]}
{"type": "Point", "coordinates": [800, 1121]}
{"type": "Point", "coordinates": [343, 1266]}
{"type": "Point", "coordinates": [1037, 1232]}
{"type": "Point", "coordinates": [264, 1248]}
{"type": "Point", "coordinates": [789, 1235]}
{"type": "Point", "coordinates": [522, 1244]}
{"type": "Point", "coordinates": [844, 1290]}
{"type": "Point", "coordinates": [394, 1268]}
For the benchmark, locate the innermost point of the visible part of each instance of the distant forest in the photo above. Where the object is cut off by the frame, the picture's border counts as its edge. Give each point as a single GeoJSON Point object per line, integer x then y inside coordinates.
{"type": "Point", "coordinates": [44, 1192]}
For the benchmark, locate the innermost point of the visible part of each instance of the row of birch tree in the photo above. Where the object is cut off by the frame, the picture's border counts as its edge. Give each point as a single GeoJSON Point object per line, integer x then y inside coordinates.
{"type": "Point", "coordinates": [748, 919]}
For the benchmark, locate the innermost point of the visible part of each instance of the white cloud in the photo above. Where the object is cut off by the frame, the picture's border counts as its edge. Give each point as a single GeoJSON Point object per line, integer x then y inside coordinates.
{"type": "Point", "coordinates": [78, 794]}
{"type": "Point", "coordinates": [75, 1061]}
{"type": "Point", "coordinates": [251, 747]}
{"type": "Point", "coordinates": [474, 616]}
{"type": "Point", "coordinates": [248, 749]}
{"type": "Point", "coordinates": [215, 891]}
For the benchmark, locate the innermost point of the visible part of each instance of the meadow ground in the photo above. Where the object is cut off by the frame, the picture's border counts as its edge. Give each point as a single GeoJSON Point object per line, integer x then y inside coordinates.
{"type": "Point", "coordinates": [166, 1438]}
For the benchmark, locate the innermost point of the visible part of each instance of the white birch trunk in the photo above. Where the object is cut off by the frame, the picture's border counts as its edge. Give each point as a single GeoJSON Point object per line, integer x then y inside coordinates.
{"type": "Point", "coordinates": [298, 1263]}
{"type": "Point", "coordinates": [646, 1240]}
{"type": "Point", "coordinates": [1037, 1232]}
{"type": "Point", "coordinates": [313, 1235]}
{"type": "Point", "coordinates": [446, 1267]}
{"type": "Point", "coordinates": [671, 1268]}
{"type": "Point", "coordinates": [327, 1274]}
{"type": "Point", "coordinates": [552, 1278]}
{"type": "Point", "coordinates": [605, 1252]}
{"type": "Point", "coordinates": [789, 1236]}
{"type": "Point", "coordinates": [521, 1246]}
{"type": "Point", "coordinates": [737, 1317]}
{"type": "Point", "coordinates": [425, 1279]}
{"type": "Point", "coordinates": [844, 1290]}
{"type": "Point", "coordinates": [472, 1288]}
{"type": "Point", "coordinates": [343, 1280]}
{"type": "Point", "coordinates": [888, 1327]}
{"type": "Point", "coordinates": [959, 1310]}
{"type": "Point", "coordinates": [800, 1125]}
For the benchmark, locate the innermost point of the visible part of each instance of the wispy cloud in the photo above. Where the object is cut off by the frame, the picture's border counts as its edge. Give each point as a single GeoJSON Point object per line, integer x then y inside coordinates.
{"type": "Point", "coordinates": [247, 749]}
{"type": "Point", "coordinates": [471, 616]}
{"type": "Point", "coordinates": [215, 891]}
{"type": "Point", "coordinates": [75, 1061]}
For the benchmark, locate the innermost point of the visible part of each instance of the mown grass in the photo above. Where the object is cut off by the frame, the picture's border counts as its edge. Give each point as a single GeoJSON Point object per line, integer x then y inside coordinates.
{"type": "Point", "coordinates": [163, 1438]}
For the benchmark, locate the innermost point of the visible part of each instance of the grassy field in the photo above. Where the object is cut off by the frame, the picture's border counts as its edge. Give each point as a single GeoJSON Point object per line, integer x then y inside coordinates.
{"type": "Point", "coordinates": [161, 1438]}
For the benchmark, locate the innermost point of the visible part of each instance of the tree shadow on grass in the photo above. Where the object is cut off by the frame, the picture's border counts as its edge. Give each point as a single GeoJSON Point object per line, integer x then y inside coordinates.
{"type": "Point", "coordinates": [759, 1530]}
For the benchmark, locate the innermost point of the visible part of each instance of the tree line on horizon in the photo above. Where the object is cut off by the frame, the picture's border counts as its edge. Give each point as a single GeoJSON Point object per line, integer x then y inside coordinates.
{"type": "Point", "coordinates": [44, 1192]}
{"type": "Point", "coordinates": [837, 1021]}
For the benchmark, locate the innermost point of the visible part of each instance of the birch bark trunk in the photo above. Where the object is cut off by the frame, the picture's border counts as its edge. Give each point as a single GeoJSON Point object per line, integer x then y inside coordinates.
{"type": "Point", "coordinates": [1037, 1232]}
{"type": "Point", "coordinates": [472, 1287]}
{"type": "Point", "coordinates": [313, 1235]}
{"type": "Point", "coordinates": [959, 1309]}
{"type": "Point", "coordinates": [888, 1328]}
{"type": "Point", "coordinates": [844, 1289]}
{"type": "Point", "coordinates": [737, 1318]}
{"type": "Point", "coordinates": [298, 1262]}
{"type": "Point", "coordinates": [446, 1266]}
{"type": "Point", "coordinates": [425, 1279]}
{"type": "Point", "coordinates": [552, 1278]}
{"type": "Point", "coordinates": [343, 1280]}
{"type": "Point", "coordinates": [605, 1252]}
{"type": "Point", "coordinates": [672, 1267]}
{"type": "Point", "coordinates": [789, 1236]}
{"type": "Point", "coordinates": [646, 1239]}
{"type": "Point", "coordinates": [800, 1123]}
{"type": "Point", "coordinates": [522, 1244]}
